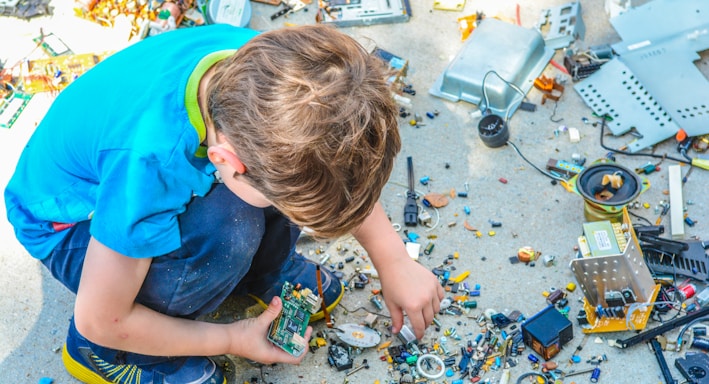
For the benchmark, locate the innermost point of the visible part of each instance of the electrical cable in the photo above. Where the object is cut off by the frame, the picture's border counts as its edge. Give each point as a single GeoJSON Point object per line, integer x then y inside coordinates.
{"type": "Point", "coordinates": [685, 328]}
{"type": "Point", "coordinates": [509, 84]}
{"type": "Point", "coordinates": [640, 217]}
{"type": "Point", "coordinates": [362, 309]}
{"type": "Point", "coordinates": [547, 174]}
{"type": "Point", "coordinates": [654, 155]}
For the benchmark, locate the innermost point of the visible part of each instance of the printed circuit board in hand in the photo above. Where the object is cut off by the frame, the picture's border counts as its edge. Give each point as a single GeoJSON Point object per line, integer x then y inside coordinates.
{"type": "Point", "coordinates": [288, 329]}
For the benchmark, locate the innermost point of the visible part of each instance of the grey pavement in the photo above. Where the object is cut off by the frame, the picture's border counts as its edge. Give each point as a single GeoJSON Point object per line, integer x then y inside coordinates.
{"type": "Point", "coordinates": [447, 149]}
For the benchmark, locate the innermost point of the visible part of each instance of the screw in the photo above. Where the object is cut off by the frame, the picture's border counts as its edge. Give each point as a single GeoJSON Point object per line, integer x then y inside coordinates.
{"type": "Point", "coordinates": [364, 364]}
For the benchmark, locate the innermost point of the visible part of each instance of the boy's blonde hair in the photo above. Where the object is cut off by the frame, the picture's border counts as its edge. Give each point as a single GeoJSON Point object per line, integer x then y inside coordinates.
{"type": "Point", "coordinates": [311, 115]}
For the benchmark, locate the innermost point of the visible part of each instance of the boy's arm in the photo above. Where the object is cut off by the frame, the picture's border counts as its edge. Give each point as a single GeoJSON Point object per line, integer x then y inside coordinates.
{"type": "Point", "coordinates": [106, 313]}
{"type": "Point", "coordinates": [407, 286]}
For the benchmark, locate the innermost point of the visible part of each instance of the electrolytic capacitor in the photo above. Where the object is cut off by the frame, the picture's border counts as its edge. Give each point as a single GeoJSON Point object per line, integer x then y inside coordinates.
{"type": "Point", "coordinates": [595, 375]}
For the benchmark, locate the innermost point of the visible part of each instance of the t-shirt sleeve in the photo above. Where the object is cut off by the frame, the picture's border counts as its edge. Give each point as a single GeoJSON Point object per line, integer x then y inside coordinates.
{"type": "Point", "coordinates": [138, 202]}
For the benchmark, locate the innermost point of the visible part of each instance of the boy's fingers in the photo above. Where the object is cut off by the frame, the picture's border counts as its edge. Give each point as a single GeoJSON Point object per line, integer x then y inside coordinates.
{"type": "Point", "coordinates": [397, 320]}
{"type": "Point", "coordinates": [274, 308]}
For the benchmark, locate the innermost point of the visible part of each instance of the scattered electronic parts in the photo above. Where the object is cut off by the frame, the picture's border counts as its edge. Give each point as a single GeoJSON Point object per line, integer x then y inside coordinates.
{"type": "Point", "coordinates": [339, 356]}
{"type": "Point", "coordinates": [551, 88]}
{"type": "Point", "coordinates": [583, 63]}
{"type": "Point", "coordinates": [547, 332]}
{"type": "Point", "coordinates": [682, 257]}
{"type": "Point", "coordinates": [662, 328]}
{"type": "Point", "coordinates": [11, 107]}
{"type": "Point", "coordinates": [25, 9]}
{"type": "Point", "coordinates": [349, 13]}
{"type": "Point", "coordinates": [449, 5]}
{"type": "Point", "coordinates": [617, 285]}
{"type": "Point", "coordinates": [56, 73]}
{"type": "Point", "coordinates": [287, 331]}
{"type": "Point", "coordinates": [694, 367]}
{"type": "Point", "coordinates": [411, 209]}
{"type": "Point", "coordinates": [52, 45]}
{"type": "Point", "coordinates": [562, 25]}
{"type": "Point", "coordinates": [398, 64]}
{"type": "Point", "coordinates": [357, 335]}
{"type": "Point", "coordinates": [407, 336]}
{"type": "Point", "coordinates": [430, 366]}
{"type": "Point", "coordinates": [564, 168]}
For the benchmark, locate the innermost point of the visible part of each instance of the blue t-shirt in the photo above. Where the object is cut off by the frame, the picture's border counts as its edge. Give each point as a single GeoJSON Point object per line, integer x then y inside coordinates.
{"type": "Point", "coordinates": [119, 147]}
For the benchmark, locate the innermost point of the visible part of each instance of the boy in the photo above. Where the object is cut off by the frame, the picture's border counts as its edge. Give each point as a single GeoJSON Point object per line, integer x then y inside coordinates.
{"type": "Point", "coordinates": [180, 171]}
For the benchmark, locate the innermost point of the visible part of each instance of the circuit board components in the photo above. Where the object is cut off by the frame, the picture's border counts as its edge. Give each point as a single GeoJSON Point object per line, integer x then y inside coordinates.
{"type": "Point", "coordinates": [287, 331]}
{"type": "Point", "coordinates": [617, 285]}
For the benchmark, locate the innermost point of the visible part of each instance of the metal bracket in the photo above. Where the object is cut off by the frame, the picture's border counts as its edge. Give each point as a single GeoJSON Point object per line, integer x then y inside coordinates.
{"type": "Point", "coordinates": [563, 25]}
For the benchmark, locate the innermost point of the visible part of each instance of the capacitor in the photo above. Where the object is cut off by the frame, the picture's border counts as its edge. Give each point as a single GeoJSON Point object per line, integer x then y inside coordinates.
{"type": "Point", "coordinates": [687, 291]}
{"type": "Point", "coordinates": [478, 338]}
{"type": "Point", "coordinates": [595, 375]}
{"type": "Point", "coordinates": [377, 303]}
{"type": "Point", "coordinates": [533, 358]}
{"type": "Point", "coordinates": [429, 248]}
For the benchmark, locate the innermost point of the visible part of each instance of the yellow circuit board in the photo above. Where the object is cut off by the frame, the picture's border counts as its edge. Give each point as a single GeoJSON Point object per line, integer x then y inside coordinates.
{"type": "Point", "coordinates": [56, 73]}
{"type": "Point", "coordinates": [635, 318]}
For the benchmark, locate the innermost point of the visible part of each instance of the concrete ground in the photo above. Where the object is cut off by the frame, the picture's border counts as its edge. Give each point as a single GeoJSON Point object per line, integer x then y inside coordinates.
{"type": "Point", "coordinates": [446, 149]}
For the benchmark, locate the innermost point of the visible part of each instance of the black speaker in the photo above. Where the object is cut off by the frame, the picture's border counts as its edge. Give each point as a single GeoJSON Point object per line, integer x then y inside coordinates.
{"type": "Point", "coordinates": [589, 183]}
{"type": "Point", "coordinates": [493, 131]}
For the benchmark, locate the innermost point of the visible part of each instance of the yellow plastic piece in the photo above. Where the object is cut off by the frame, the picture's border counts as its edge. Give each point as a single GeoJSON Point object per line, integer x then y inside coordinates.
{"type": "Point", "coordinates": [384, 345]}
{"type": "Point", "coordinates": [646, 205]}
{"type": "Point", "coordinates": [571, 287]}
{"type": "Point", "coordinates": [491, 233]}
{"type": "Point", "coordinates": [461, 277]}
{"type": "Point", "coordinates": [546, 293]}
{"type": "Point", "coordinates": [456, 255]}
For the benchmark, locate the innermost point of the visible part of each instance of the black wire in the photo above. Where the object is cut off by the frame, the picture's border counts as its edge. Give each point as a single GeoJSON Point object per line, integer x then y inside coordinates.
{"type": "Point", "coordinates": [640, 217]}
{"type": "Point", "coordinates": [363, 309]}
{"type": "Point", "coordinates": [665, 156]}
{"type": "Point", "coordinates": [547, 174]}
{"type": "Point", "coordinates": [553, 113]}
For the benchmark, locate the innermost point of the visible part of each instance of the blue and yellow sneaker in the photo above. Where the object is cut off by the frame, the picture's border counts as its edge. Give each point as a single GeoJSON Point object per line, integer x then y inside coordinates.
{"type": "Point", "coordinates": [87, 367]}
{"type": "Point", "coordinates": [298, 270]}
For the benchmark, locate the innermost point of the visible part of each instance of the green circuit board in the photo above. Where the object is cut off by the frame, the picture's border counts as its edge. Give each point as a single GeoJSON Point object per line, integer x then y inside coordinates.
{"type": "Point", "coordinates": [287, 331]}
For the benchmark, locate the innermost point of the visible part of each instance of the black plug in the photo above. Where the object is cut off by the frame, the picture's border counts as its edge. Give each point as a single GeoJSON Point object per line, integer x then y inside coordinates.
{"type": "Point", "coordinates": [411, 209]}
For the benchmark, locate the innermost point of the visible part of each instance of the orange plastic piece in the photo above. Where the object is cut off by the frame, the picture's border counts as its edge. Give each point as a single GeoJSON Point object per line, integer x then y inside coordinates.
{"type": "Point", "coordinates": [549, 87]}
{"type": "Point", "coordinates": [681, 135]}
{"type": "Point", "coordinates": [467, 25]}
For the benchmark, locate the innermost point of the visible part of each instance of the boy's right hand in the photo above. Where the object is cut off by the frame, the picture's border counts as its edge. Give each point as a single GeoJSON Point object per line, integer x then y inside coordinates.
{"type": "Point", "coordinates": [249, 338]}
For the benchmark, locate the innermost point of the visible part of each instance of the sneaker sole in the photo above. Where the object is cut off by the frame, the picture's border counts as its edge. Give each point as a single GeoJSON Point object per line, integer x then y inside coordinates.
{"type": "Point", "coordinates": [79, 371]}
{"type": "Point", "coordinates": [83, 374]}
{"type": "Point", "coordinates": [318, 315]}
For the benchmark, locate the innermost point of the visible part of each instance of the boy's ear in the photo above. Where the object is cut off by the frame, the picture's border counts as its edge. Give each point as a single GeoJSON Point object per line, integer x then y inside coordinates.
{"type": "Point", "coordinates": [219, 155]}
